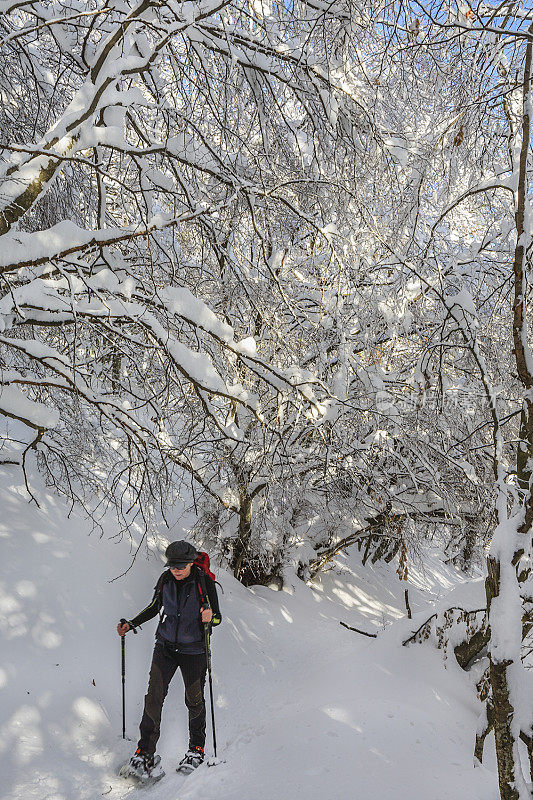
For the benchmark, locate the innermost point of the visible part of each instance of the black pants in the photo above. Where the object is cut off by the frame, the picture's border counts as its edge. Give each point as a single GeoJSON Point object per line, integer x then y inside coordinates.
{"type": "Point", "coordinates": [164, 664]}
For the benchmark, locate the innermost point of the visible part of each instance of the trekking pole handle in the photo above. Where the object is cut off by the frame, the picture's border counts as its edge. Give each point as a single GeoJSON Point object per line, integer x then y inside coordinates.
{"type": "Point", "coordinates": [127, 622]}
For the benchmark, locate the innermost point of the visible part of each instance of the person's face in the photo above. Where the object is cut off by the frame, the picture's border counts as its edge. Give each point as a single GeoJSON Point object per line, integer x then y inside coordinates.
{"type": "Point", "coordinates": [181, 572]}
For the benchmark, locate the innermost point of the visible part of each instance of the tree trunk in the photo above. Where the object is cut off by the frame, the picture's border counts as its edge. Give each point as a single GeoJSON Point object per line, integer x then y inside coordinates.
{"type": "Point", "coordinates": [501, 571]}
{"type": "Point", "coordinates": [502, 707]}
{"type": "Point", "coordinates": [243, 534]}
{"type": "Point", "coordinates": [502, 717]}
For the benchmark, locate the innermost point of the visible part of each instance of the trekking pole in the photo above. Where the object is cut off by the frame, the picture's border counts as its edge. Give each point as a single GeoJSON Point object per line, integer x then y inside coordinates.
{"type": "Point", "coordinates": [123, 653]}
{"type": "Point", "coordinates": [208, 654]}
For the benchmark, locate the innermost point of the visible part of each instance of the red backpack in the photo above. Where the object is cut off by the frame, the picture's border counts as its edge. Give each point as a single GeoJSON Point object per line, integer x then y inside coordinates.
{"type": "Point", "coordinates": [202, 561]}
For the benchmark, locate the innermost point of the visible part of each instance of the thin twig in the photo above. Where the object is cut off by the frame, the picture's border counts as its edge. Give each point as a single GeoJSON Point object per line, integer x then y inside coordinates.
{"type": "Point", "coordinates": [364, 633]}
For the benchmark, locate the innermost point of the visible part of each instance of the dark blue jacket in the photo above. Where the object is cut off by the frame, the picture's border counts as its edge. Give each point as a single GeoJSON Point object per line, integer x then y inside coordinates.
{"type": "Point", "coordinates": [179, 604]}
{"type": "Point", "coordinates": [180, 622]}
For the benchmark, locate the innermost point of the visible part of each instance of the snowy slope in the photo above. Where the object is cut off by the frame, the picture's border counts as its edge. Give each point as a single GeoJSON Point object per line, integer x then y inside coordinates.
{"type": "Point", "coordinates": [305, 709]}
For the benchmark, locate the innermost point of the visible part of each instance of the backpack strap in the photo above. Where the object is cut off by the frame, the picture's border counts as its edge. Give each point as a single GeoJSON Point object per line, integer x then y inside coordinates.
{"type": "Point", "coordinates": [204, 599]}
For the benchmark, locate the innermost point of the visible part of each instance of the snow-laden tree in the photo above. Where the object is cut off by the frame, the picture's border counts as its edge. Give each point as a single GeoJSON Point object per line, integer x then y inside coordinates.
{"type": "Point", "coordinates": [213, 219]}
{"type": "Point", "coordinates": [174, 277]}
{"type": "Point", "coordinates": [161, 155]}
{"type": "Point", "coordinates": [471, 251]}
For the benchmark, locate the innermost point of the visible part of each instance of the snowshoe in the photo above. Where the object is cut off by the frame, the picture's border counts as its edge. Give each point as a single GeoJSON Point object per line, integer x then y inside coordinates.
{"type": "Point", "coordinates": [143, 768]}
{"type": "Point", "coordinates": [191, 760]}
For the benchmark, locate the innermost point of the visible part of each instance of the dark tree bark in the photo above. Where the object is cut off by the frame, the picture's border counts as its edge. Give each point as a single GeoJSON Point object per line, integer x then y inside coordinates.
{"type": "Point", "coordinates": [502, 708]}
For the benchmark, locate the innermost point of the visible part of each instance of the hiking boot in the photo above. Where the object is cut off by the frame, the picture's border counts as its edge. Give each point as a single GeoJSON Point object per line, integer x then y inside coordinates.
{"type": "Point", "coordinates": [143, 766]}
{"type": "Point", "coordinates": [191, 760]}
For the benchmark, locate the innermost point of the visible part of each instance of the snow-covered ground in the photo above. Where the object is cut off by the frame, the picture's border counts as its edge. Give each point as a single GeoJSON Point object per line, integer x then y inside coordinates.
{"type": "Point", "coordinates": [305, 709]}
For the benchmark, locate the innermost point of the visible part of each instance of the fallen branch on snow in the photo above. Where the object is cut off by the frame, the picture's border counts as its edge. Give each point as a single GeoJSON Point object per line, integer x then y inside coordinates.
{"type": "Point", "coordinates": [364, 633]}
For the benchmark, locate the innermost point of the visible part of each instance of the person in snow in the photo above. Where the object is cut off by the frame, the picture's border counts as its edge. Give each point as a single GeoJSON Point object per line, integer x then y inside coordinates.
{"type": "Point", "coordinates": [185, 598]}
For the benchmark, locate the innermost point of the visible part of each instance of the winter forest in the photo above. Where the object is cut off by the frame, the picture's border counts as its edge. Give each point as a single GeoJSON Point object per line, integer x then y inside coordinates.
{"type": "Point", "coordinates": [265, 275]}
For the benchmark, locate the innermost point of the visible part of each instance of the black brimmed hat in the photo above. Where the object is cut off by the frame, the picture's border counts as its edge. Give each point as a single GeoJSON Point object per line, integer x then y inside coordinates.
{"type": "Point", "coordinates": [179, 554]}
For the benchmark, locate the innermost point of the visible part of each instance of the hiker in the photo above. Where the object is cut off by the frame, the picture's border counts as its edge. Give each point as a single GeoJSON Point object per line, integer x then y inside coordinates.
{"type": "Point", "coordinates": [186, 599]}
